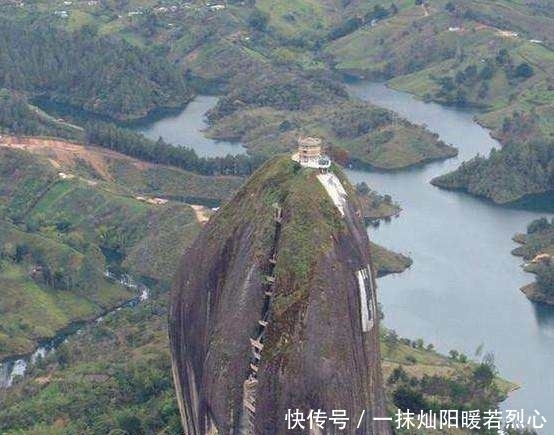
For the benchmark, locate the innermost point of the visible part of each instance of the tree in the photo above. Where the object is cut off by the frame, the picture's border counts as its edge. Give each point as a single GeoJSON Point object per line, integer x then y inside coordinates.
{"type": "Point", "coordinates": [21, 250]}
{"type": "Point", "coordinates": [524, 70]}
{"type": "Point", "coordinates": [483, 375]}
{"type": "Point", "coordinates": [407, 398]}
{"type": "Point", "coordinates": [545, 278]}
{"type": "Point", "coordinates": [63, 356]}
{"type": "Point", "coordinates": [538, 225]}
{"type": "Point", "coordinates": [379, 12]}
{"type": "Point", "coordinates": [486, 72]}
{"type": "Point", "coordinates": [363, 188]}
{"type": "Point", "coordinates": [503, 57]}
{"type": "Point", "coordinates": [398, 375]}
{"type": "Point", "coordinates": [130, 423]}
{"type": "Point", "coordinates": [454, 354]}
{"type": "Point", "coordinates": [391, 338]}
{"type": "Point", "coordinates": [258, 20]}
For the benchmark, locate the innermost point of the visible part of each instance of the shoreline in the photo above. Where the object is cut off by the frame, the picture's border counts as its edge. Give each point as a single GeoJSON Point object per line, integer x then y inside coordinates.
{"type": "Point", "coordinates": [532, 293]}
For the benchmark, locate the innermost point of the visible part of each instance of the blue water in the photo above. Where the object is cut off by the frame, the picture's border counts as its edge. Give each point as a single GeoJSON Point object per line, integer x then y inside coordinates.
{"type": "Point", "coordinates": [463, 288]}
{"type": "Point", "coordinates": [187, 127]}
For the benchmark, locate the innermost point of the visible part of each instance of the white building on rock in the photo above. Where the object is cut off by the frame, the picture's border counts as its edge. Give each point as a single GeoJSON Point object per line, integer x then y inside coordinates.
{"type": "Point", "coordinates": [310, 153]}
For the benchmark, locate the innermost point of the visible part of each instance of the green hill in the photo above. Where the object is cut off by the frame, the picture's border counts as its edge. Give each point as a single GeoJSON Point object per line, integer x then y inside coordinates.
{"type": "Point", "coordinates": [495, 55]}
{"type": "Point", "coordinates": [114, 78]}
{"type": "Point", "coordinates": [265, 59]}
{"type": "Point", "coordinates": [59, 231]}
{"type": "Point", "coordinates": [514, 173]}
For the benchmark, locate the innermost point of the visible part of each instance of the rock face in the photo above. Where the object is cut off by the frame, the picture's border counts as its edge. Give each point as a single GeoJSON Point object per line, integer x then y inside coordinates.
{"type": "Point", "coordinates": [274, 308]}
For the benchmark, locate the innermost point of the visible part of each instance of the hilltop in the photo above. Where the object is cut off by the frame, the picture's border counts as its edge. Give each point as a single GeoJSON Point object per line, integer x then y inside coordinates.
{"type": "Point", "coordinates": [290, 248]}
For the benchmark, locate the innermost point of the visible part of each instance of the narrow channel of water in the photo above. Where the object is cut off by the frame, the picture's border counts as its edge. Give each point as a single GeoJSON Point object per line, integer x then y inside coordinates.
{"type": "Point", "coordinates": [463, 288]}
{"type": "Point", "coordinates": [12, 368]}
{"type": "Point", "coordinates": [186, 129]}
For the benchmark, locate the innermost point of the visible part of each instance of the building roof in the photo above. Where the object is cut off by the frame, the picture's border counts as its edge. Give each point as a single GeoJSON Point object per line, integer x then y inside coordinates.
{"type": "Point", "coordinates": [309, 141]}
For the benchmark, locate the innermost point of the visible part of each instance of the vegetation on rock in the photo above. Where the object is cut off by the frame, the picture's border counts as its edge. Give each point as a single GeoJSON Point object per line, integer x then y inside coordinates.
{"type": "Point", "coordinates": [537, 248]}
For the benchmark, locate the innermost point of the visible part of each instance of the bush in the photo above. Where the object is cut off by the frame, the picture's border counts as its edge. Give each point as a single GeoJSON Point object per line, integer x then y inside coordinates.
{"type": "Point", "coordinates": [258, 20]}
{"type": "Point", "coordinates": [538, 225]}
{"type": "Point", "coordinates": [407, 398]}
{"type": "Point", "coordinates": [362, 188]}
{"type": "Point", "coordinates": [487, 72]}
{"type": "Point", "coordinates": [348, 26]}
{"type": "Point", "coordinates": [524, 70]}
{"type": "Point", "coordinates": [545, 278]}
{"type": "Point", "coordinates": [483, 374]}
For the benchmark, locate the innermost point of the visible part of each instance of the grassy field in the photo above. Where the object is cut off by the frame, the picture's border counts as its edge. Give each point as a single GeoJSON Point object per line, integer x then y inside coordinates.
{"type": "Point", "coordinates": [419, 360]}
{"type": "Point", "coordinates": [30, 312]}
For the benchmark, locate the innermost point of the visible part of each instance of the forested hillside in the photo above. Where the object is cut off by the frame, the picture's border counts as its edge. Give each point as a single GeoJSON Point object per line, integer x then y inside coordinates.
{"type": "Point", "coordinates": [148, 56]}
{"type": "Point", "coordinates": [17, 116]}
{"type": "Point", "coordinates": [508, 175]}
{"type": "Point", "coordinates": [98, 74]}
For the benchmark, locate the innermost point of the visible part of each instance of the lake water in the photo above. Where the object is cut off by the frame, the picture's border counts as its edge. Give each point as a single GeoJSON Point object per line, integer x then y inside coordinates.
{"type": "Point", "coordinates": [186, 129]}
{"type": "Point", "coordinates": [463, 288]}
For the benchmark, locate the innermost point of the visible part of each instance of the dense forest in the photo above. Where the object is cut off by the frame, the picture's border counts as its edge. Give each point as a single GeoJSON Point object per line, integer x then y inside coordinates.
{"type": "Point", "coordinates": [285, 91]}
{"type": "Point", "coordinates": [18, 117]}
{"type": "Point", "coordinates": [518, 169]}
{"type": "Point", "coordinates": [95, 73]}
